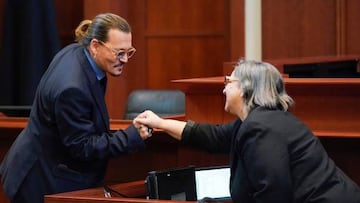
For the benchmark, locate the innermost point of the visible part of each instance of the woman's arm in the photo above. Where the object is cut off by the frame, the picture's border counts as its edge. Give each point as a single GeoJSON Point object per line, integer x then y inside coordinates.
{"type": "Point", "coordinates": [170, 126]}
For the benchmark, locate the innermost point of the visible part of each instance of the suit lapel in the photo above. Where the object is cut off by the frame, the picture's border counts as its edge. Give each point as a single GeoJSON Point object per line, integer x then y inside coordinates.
{"type": "Point", "coordinates": [98, 94]}
{"type": "Point", "coordinates": [95, 89]}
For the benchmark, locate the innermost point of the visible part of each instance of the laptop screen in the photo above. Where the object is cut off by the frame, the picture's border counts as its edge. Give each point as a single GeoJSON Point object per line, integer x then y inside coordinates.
{"type": "Point", "coordinates": [213, 182]}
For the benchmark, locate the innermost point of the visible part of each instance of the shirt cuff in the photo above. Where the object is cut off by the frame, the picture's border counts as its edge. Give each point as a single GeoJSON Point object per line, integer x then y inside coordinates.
{"type": "Point", "coordinates": [135, 141]}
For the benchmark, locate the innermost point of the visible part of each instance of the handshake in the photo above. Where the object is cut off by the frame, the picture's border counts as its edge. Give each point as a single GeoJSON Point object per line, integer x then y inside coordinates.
{"type": "Point", "coordinates": [145, 122]}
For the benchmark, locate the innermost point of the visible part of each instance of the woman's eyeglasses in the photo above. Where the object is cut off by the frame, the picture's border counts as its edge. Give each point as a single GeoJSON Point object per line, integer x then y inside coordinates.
{"type": "Point", "coordinates": [119, 54]}
{"type": "Point", "coordinates": [229, 79]}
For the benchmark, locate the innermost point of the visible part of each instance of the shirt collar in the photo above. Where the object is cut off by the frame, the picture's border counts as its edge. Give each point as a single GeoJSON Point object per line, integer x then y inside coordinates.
{"type": "Point", "coordinates": [100, 74]}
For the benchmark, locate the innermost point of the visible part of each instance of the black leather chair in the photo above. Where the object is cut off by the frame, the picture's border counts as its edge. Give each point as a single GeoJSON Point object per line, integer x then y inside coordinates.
{"type": "Point", "coordinates": [162, 102]}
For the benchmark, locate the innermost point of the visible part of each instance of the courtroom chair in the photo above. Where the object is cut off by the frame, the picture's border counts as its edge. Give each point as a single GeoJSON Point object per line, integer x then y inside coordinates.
{"type": "Point", "coordinates": [163, 102]}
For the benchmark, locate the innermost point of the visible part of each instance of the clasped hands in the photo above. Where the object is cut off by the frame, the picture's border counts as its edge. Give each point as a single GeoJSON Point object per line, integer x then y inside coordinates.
{"type": "Point", "coordinates": [145, 122]}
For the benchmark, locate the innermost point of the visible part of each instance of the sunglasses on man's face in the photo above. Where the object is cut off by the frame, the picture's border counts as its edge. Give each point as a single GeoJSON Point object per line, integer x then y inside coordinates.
{"type": "Point", "coordinates": [119, 54]}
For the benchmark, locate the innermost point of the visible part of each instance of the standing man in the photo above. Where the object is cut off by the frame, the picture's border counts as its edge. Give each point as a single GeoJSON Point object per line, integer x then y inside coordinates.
{"type": "Point", "coordinates": [67, 142]}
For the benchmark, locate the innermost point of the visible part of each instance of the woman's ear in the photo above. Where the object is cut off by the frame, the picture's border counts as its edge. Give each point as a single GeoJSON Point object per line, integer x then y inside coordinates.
{"type": "Point", "coordinates": [246, 90]}
{"type": "Point", "coordinates": [244, 93]}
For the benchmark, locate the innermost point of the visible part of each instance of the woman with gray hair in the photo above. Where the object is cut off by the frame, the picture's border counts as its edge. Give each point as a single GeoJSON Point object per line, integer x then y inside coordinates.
{"type": "Point", "coordinates": [273, 156]}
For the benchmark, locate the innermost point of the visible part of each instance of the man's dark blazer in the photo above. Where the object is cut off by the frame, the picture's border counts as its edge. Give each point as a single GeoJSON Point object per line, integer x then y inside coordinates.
{"type": "Point", "coordinates": [67, 134]}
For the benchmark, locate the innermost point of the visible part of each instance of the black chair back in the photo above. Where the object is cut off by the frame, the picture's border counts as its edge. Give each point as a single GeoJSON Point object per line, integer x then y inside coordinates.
{"type": "Point", "coordinates": [161, 102]}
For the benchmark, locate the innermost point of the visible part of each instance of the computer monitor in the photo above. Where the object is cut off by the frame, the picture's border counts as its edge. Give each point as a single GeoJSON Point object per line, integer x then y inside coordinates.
{"type": "Point", "coordinates": [213, 182]}
{"type": "Point", "coordinates": [172, 184]}
{"type": "Point", "coordinates": [189, 183]}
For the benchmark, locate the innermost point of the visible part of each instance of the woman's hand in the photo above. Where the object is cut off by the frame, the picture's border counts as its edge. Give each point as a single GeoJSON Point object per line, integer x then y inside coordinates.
{"type": "Point", "coordinates": [149, 119]}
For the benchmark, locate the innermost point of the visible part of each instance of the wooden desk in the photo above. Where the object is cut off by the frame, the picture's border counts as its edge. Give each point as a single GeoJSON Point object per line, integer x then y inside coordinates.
{"type": "Point", "coordinates": [132, 192]}
{"type": "Point", "coordinates": [280, 64]}
{"type": "Point", "coordinates": [20, 123]}
{"type": "Point", "coordinates": [329, 106]}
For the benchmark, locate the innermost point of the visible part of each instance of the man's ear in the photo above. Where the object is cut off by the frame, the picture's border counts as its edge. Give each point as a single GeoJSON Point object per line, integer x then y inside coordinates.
{"type": "Point", "coordinates": [94, 44]}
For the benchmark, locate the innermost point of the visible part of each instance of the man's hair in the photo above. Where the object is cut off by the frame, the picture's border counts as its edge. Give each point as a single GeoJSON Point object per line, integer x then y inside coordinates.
{"type": "Point", "coordinates": [99, 27]}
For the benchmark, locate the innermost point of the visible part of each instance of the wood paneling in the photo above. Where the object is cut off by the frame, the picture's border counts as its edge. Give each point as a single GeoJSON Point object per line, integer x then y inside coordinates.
{"type": "Point", "coordinates": [186, 16]}
{"type": "Point", "coordinates": [298, 28]}
{"type": "Point", "coordinates": [237, 32]}
{"type": "Point", "coordinates": [185, 41]}
{"type": "Point", "coordinates": [183, 57]}
{"type": "Point", "coordinates": [69, 13]}
{"type": "Point", "coordinates": [323, 104]}
{"type": "Point", "coordinates": [352, 26]}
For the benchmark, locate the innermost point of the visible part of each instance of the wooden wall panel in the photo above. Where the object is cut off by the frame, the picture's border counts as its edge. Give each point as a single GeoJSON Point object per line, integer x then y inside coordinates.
{"type": "Point", "coordinates": [352, 26]}
{"type": "Point", "coordinates": [186, 16]}
{"type": "Point", "coordinates": [185, 39]}
{"type": "Point", "coordinates": [298, 28]}
{"type": "Point", "coordinates": [172, 58]}
{"type": "Point", "coordinates": [237, 29]}
{"type": "Point", "coordinates": [68, 17]}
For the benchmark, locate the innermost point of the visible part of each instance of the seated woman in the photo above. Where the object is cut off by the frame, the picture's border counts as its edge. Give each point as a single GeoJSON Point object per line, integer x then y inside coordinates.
{"type": "Point", "coordinates": [274, 157]}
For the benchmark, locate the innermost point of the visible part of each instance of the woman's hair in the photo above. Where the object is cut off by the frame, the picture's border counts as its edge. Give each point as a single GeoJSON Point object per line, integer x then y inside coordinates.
{"type": "Point", "coordinates": [262, 85]}
{"type": "Point", "coordinates": [99, 27]}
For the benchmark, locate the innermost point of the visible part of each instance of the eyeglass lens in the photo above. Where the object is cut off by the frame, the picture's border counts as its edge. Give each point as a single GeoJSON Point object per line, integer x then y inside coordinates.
{"type": "Point", "coordinates": [129, 53]}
